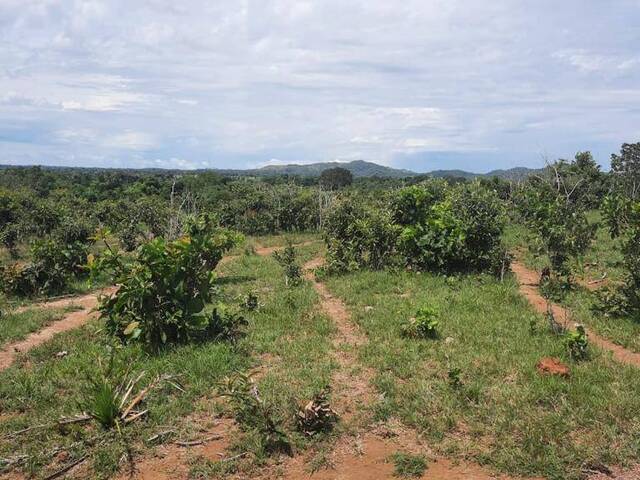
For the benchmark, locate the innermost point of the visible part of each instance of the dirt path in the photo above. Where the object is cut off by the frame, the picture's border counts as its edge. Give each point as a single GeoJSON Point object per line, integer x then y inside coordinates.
{"type": "Point", "coordinates": [363, 452]}
{"type": "Point", "coordinates": [70, 321]}
{"type": "Point", "coordinates": [529, 282]}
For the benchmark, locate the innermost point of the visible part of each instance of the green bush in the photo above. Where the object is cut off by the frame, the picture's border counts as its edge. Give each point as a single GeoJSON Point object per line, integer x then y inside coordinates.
{"type": "Point", "coordinates": [623, 218]}
{"type": "Point", "coordinates": [286, 258]}
{"type": "Point", "coordinates": [165, 286]}
{"type": "Point", "coordinates": [430, 226]}
{"type": "Point", "coordinates": [54, 263]}
{"type": "Point", "coordinates": [576, 343]}
{"type": "Point", "coordinates": [423, 325]}
{"type": "Point", "coordinates": [360, 237]}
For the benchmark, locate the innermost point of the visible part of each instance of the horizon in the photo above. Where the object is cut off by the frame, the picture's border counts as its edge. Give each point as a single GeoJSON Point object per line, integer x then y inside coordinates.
{"type": "Point", "coordinates": [447, 85]}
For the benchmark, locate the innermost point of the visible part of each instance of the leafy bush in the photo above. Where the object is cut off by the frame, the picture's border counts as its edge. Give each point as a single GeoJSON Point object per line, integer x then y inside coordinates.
{"type": "Point", "coordinates": [165, 286]}
{"type": "Point", "coordinates": [287, 260]}
{"type": "Point", "coordinates": [622, 215]}
{"type": "Point", "coordinates": [423, 325]}
{"type": "Point", "coordinates": [359, 237]}
{"type": "Point", "coordinates": [55, 262]}
{"type": "Point", "coordinates": [460, 230]}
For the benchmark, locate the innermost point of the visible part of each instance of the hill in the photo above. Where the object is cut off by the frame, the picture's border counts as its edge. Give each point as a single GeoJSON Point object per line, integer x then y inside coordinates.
{"type": "Point", "coordinates": [358, 168]}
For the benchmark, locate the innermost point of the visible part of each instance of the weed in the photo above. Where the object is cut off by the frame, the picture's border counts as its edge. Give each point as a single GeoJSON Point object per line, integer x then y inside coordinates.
{"type": "Point", "coordinates": [455, 377]}
{"type": "Point", "coordinates": [576, 343]}
{"type": "Point", "coordinates": [408, 465]}
{"type": "Point", "coordinates": [423, 325]}
{"type": "Point", "coordinates": [251, 301]}
{"type": "Point", "coordinates": [225, 322]}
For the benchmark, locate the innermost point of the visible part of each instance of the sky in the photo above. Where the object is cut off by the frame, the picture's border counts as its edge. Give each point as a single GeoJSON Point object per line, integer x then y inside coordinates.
{"type": "Point", "coordinates": [422, 85]}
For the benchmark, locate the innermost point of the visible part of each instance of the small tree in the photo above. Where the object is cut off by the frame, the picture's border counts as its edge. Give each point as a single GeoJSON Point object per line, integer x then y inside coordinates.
{"type": "Point", "coordinates": [335, 178]}
{"type": "Point", "coordinates": [164, 289]}
{"type": "Point", "coordinates": [626, 170]}
{"type": "Point", "coordinates": [548, 208]}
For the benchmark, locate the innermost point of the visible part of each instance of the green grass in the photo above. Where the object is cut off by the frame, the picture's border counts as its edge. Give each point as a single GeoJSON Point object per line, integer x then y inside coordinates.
{"type": "Point", "coordinates": [16, 326]}
{"type": "Point", "coordinates": [503, 413]}
{"type": "Point", "coordinates": [286, 335]}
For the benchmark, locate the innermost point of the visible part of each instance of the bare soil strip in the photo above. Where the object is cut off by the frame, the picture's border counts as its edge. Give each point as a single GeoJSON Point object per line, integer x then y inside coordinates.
{"type": "Point", "coordinates": [529, 282]}
{"type": "Point", "coordinates": [363, 453]}
{"type": "Point", "coordinates": [73, 320]}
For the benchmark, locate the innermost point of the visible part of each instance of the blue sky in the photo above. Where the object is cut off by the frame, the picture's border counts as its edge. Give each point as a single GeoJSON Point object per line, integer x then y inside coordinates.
{"type": "Point", "coordinates": [422, 84]}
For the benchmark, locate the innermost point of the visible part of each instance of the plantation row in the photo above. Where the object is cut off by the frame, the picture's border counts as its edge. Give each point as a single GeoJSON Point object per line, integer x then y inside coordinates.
{"type": "Point", "coordinates": [49, 220]}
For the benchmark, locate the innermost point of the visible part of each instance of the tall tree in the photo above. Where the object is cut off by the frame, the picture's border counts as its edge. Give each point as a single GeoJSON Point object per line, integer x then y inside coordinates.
{"type": "Point", "coordinates": [335, 178]}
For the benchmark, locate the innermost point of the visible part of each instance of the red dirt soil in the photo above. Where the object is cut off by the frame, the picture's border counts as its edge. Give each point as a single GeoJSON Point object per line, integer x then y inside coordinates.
{"type": "Point", "coordinates": [171, 461]}
{"type": "Point", "coordinates": [552, 366]}
{"type": "Point", "coordinates": [529, 282]}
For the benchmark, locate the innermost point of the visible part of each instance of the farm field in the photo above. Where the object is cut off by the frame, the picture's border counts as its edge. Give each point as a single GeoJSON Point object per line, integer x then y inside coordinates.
{"type": "Point", "coordinates": [419, 328]}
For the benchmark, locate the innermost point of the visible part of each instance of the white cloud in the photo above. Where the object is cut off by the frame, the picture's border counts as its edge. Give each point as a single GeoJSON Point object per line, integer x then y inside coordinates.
{"type": "Point", "coordinates": [234, 83]}
{"type": "Point", "coordinates": [130, 141]}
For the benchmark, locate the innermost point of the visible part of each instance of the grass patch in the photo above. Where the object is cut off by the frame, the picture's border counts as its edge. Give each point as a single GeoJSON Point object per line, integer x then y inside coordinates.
{"type": "Point", "coordinates": [494, 407]}
{"type": "Point", "coordinates": [16, 326]}
{"type": "Point", "coordinates": [407, 465]}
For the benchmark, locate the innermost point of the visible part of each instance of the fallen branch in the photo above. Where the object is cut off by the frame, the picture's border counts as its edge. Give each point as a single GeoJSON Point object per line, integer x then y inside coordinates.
{"type": "Point", "coordinates": [194, 443]}
{"type": "Point", "coordinates": [61, 422]}
{"type": "Point", "coordinates": [135, 416]}
{"type": "Point", "coordinates": [65, 469]}
{"type": "Point", "coordinates": [235, 457]}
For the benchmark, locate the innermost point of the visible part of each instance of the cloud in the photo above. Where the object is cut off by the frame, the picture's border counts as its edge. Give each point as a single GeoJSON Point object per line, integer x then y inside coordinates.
{"type": "Point", "coordinates": [234, 84]}
{"type": "Point", "coordinates": [130, 141]}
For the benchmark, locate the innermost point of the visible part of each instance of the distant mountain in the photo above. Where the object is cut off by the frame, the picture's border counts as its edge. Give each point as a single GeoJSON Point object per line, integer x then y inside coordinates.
{"type": "Point", "coordinates": [358, 168]}
{"type": "Point", "coordinates": [516, 173]}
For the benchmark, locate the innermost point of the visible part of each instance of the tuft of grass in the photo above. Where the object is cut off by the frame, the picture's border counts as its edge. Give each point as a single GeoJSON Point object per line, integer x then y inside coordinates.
{"type": "Point", "coordinates": [408, 465]}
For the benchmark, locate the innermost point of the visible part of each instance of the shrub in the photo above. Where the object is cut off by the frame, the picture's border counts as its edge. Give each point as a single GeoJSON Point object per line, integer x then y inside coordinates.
{"type": "Point", "coordinates": [559, 224]}
{"type": "Point", "coordinates": [360, 237]}
{"type": "Point", "coordinates": [623, 218]}
{"type": "Point", "coordinates": [165, 286]}
{"type": "Point", "coordinates": [423, 325]}
{"type": "Point", "coordinates": [429, 226]}
{"type": "Point", "coordinates": [53, 265]}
